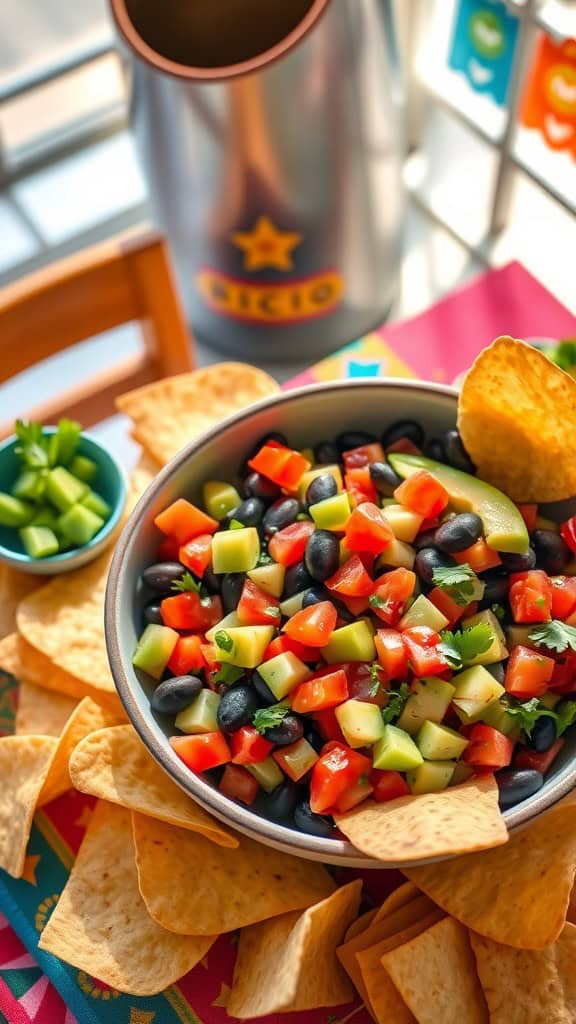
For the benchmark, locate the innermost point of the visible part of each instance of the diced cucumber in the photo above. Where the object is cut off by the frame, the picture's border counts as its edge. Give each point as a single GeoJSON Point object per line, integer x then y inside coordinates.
{"type": "Point", "coordinates": [229, 621]}
{"type": "Point", "coordinates": [95, 502]}
{"type": "Point", "coordinates": [550, 699]}
{"type": "Point", "coordinates": [63, 489]}
{"type": "Point", "coordinates": [243, 645]}
{"type": "Point", "coordinates": [354, 642]}
{"type": "Point", "coordinates": [476, 689]}
{"type": "Point", "coordinates": [38, 541]}
{"type": "Point", "coordinates": [296, 759]}
{"type": "Point", "coordinates": [200, 715]}
{"type": "Point", "coordinates": [283, 673]}
{"type": "Point", "coordinates": [267, 773]}
{"type": "Point", "coordinates": [331, 513]}
{"type": "Point", "coordinates": [428, 701]}
{"type": "Point", "coordinates": [84, 468]}
{"type": "Point", "coordinates": [462, 772]}
{"type": "Point", "coordinates": [14, 512]}
{"type": "Point", "coordinates": [235, 550]}
{"type": "Point", "coordinates": [270, 578]}
{"type": "Point", "coordinates": [396, 751]}
{"type": "Point", "coordinates": [439, 743]}
{"type": "Point", "coordinates": [293, 604]}
{"type": "Point", "coordinates": [307, 478]}
{"type": "Point", "coordinates": [497, 716]}
{"type": "Point", "coordinates": [220, 498]}
{"type": "Point", "coordinates": [404, 523]}
{"type": "Point", "coordinates": [431, 777]}
{"type": "Point", "coordinates": [79, 525]}
{"type": "Point", "coordinates": [30, 485]}
{"type": "Point", "coordinates": [398, 555]}
{"type": "Point", "coordinates": [361, 723]}
{"type": "Point", "coordinates": [154, 648]}
{"type": "Point", "coordinates": [497, 650]}
{"type": "Point", "coordinates": [423, 613]}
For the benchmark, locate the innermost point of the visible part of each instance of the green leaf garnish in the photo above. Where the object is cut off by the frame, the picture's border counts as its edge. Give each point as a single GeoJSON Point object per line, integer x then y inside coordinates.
{"type": "Point", "coordinates": [223, 640]}
{"type": "Point", "coordinates": [396, 701]}
{"type": "Point", "coordinates": [264, 559]}
{"type": "Point", "coordinates": [32, 445]}
{"type": "Point", "coordinates": [555, 635]}
{"type": "Point", "coordinates": [235, 524]}
{"type": "Point", "coordinates": [565, 716]}
{"type": "Point", "coordinates": [528, 712]}
{"type": "Point", "coordinates": [464, 646]}
{"type": "Point", "coordinates": [458, 580]}
{"type": "Point", "coordinates": [186, 583]}
{"type": "Point", "coordinates": [564, 355]}
{"type": "Point", "coordinates": [228, 674]}
{"type": "Point", "coordinates": [382, 603]}
{"type": "Point", "coordinates": [499, 611]}
{"type": "Point", "coordinates": [268, 718]}
{"type": "Point", "coordinates": [375, 679]}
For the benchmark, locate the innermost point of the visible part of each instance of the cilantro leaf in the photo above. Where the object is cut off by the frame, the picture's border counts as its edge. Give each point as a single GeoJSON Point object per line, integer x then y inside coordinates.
{"type": "Point", "coordinates": [464, 646]}
{"type": "Point", "coordinates": [223, 640]}
{"type": "Point", "coordinates": [375, 679]}
{"type": "Point", "coordinates": [565, 716]}
{"type": "Point", "coordinates": [264, 559]}
{"type": "Point", "coordinates": [396, 701]}
{"type": "Point", "coordinates": [499, 611]}
{"type": "Point", "coordinates": [268, 718]}
{"type": "Point", "coordinates": [382, 603]}
{"type": "Point", "coordinates": [235, 524]}
{"type": "Point", "coordinates": [564, 355]}
{"type": "Point", "coordinates": [528, 712]}
{"type": "Point", "coordinates": [32, 445]}
{"type": "Point", "coordinates": [555, 635]}
{"type": "Point", "coordinates": [186, 583]}
{"type": "Point", "coordinates": [458, 580]}
{"type": "Point", "coordinates": [228, 674]}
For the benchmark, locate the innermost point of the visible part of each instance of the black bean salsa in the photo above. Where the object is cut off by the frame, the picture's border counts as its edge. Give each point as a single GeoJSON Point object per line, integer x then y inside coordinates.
{"type": "Point", "coordinates": [361, 619]}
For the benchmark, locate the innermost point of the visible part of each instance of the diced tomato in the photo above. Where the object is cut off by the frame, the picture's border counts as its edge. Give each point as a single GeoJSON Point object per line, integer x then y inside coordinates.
{"type": "Point", "coordinates": [488, 748]}
{"type": "Point", "coordinates": [392, 653]}
{"type": "Point", "coordinates": [281, 644]}
{"type": "Point", "coordinates": [296, 759]}
{"type": "Point", "coordinates": [444, 603]}
{"type": "Point", "coordinates": [364, 455]}
{"type": "Point", "coordinates": [568, 533]}
{"type": "Point", "coordinates": [388, 785]}
{"type": "Point", "coordinates": [355, 605]}
{"type": "Point", "coordinates": [527, 758]}
{"type": "Point", "coordinates": [325, 691]}
{"type": "Point", "coordinates": [529, 514]}
{"type": "Point", "coordinates": [360, 486]}
{"type": "Point", "coordinates": [528, 673]}
{"type": "Point", "coordinates": [256, 607]}
{"type": "Point", "coordinates": [564, 674]}
{"type": "Point", "coordinates": [288, 545]}
{"type": "Point", "coordinates": [422, 493]}
{"type": "Point", "coordinates": [183, 520]}
{"type": "Point", "coordinates": [391, 594]}
{"type": "Point", "coordinates": [328, 725]}
{"type": "Point", "coordinates": [201, 752]}
{"type": "Point", "coordinates": [351, 579]}
{"type": "Point", "coordinates": [313, 626]}
{"type": "Point", "coordinates": [423, 652]}
{"type": "Point", "coordinates": [479, 556]}
{"type": "Point", "coordinates": [248, 746]}
{"type": "Point", "coordinates": [368, 530]}
{"type": "Point", "coordinates": [530, 596]}
{"type": "Point", "coordinates": [404, 446]}
{"type": "Point", "coordinates": [237, 784]}
{"type": "Point", "coordinates": [563, 596]}
{"type": "Point", "coordinates": [168, 550]}
{"type": "Point", "coordinates": [283, 466]}
{"type": "Point", "coordinates": [187, 656]}
{"type": "Point", "coordinates": [354, 795]}
{"type": "Point", "coordinates": [196, 555]}
{"type": "Point", "coordinates": [189, 611]}
{"type": "Point", "coordinates": [335, 771]}
{"type": "Point", "coordinates": [211, 656]}
{"type": "Point", "coordinates": [367, 683]}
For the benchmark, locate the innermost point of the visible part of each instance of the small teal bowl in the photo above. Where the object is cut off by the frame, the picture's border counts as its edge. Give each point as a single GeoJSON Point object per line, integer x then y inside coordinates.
{"type": "Point", "coordinates": [110, 483]}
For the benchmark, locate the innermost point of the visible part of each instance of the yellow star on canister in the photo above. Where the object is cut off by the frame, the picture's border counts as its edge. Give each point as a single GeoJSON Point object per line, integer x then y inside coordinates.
{"type": "Point", "coordinates": [266, 246]}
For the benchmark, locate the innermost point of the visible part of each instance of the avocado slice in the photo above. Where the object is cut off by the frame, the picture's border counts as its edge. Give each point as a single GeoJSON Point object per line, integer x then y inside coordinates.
{"type": "Point", "coordinates": [430, 777]}
{"type": "Point", "coordinates": [504, 527]}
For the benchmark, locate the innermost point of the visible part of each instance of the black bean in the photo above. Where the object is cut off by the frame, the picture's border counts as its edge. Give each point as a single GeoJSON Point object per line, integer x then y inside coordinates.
{"type": "Point", "coordinates": [297, 578]}
{"type": "Point", "coordinates": [403, 428]}
{"type": "Point", "coordinates": [519, 563]}
{"type": "Point", "coordinates": [384, 478]}
{"type": "Point", "coordinates": [459, 532]}
{"type": "Point", "coordinates": [424, 540]}
{"type": "Point", "coordinates": [543, 734]}
{"type": "Point", "coordinates": [321, 487]}
{"type": "Point", "coordinates": [152, 614]}
{"type": "Point", "coordinates": [326, 453]}
{"type": "Point", "coordinates": [314, 824]}
{"type": "Point", "coordinates": [231, 589]}
{"type": "Point", "coordinates": [428, 559]}
{"type": "Point", "coordinates": [314, 595]}
{"type": "Point", "coordinates": [162, 575]}
{"type": "Point", "coordinates": [174, 694]}
{"type": "Point", "coordinates": [212, 582]}
{"type": "Point", "coordinates": [237, 707]}
{"type": "Point", "coordinates": [314, 738]}
{"type": "Point", "coordinates": [263, 690]}
{"type": "Point", "coordinates": [322, 556]}
{"type": "Point", "coordinates": [456, 453]}
{"type": "Point", "coordinates": [517, 785]}
{"type": "Point", "coordinates": [552, 552]}
{"type": "Point", "coordinates": [280, 803]}
{"type": "Point", "coordinates": [249, 512]}
{"type": "Point", "coordinates": [350, 439]}
{"type": "Point", "coordinates": [279, 515]}
{"type": "Point", "coordinates": [257, 486]}
{"type": "Point", "coordinates": [273, 435]}
{"type": "Point", "coordinates": [497, 671]}
{"type": "Point", "coordinates": [289, 730]}
{"type": "Point", "coordinates": [496, 587]}
{"type": "Point", "coordinates": [434, 449]}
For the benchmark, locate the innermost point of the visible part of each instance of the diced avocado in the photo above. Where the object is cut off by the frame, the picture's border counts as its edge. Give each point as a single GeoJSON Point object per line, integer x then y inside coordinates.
{"type": "Point", "coordinates": [30, 485]}
{"type": "Point", "coordinates": [235, 550]}
{"type": "Point", "coordinates": [200, 715]}
{"type": "Point", "coordinates": [462, 772]}
{"type": "Point", "coordinates": [220, 497]}
{"type": "Point", "coordinates": [154, 648]}
{"type": "Point", "coordinates": [332, 513]}
{"type": "Point", "coordinates": [428, 701]}
{"type": "Point", "coordinates": [79, 524]}
{"type": "Point", "coordinates": [63, 489]}
{"type": "Point", "coordinates": [519, 636]}
{"type": "Point", "coordinates": [14, 512]}
{"type": "Point", "coordinates": [84, 468]}
{"type": "Point", "coordinates": [283, 673]}
{"type": "Point", "coordinates": [423, 613]}
{"type": "Point", "coordinates": [439, 743]}
{"type": "Point", "coordinates": [293, 604]}
{"type": "Point", "coordinates": [476, 689]}
{"type": "Point", "coordinates": [504, 527]}
{"type": "Point", "coordinates": [243, 645]}
{"type": "Point", "coordinates": [296, 759]}
{"type": "Point", "coordinates": [550, 700]}
{"type": "Point", "coordinates": [404, 523]}
{"type": "Point", "coordinates": [307, 478]}
{"type": "Point", "coordinates": [396, 751]}
{"type": "Point", "coordinates": [38, 541]}
{"type": "Point", "coordinates": [45, 515]}
{"type": "Point", "coordinates": [267, 773]}
{"type": "Point", "coordinates": [270, 578]}
{"type": "Point", "coordinates": [497, 716]}
{"type": "Point", "coordinates": [361, 723]}
{"type": "Point", "coordinates": [230, 620]}
{"type": "Point", "coordinates": [398, 555]}
{"type": "Point", "coordinates": [497, 650]}
{"type": "Point", "coordinates": [95, 502]}
{"type": "Point", "coordinates": [354, 642]}
{"type": "Point", "coordinates": [430, 777]}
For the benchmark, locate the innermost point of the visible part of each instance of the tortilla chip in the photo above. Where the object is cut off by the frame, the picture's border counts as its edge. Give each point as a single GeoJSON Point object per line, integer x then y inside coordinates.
{"type": "Point", "coordinates": [516, 417]}
{"type": "Point", "coordinates": [289, 964]}
{"type": "Point", "coordinates": [24, 763]}
{"type": "Point", "coordinates": [35, 667]}
{"type": "Point", "coordinates": [86, 718]}
{"type": "Point", "coordinates": [359, 925]}
{"type": "Point", "coordinates": [14, 586]}
{"type": "Point", "coordinates": [169, 413]}
{"type": "Point", "coordinates": [400, 897]}
{"type": "Point", "coordinates": [114, 764]}
{"type": "Point", "coordinates": [435, 973]}
{"type": "Point", "coordinates": [231, 888]}
{"type": "Point", "coordinates": [100, 924]}
{"type": "Point", "coordinates": [565, 949]}
{"type": "Point", "coordinates": [521, 986]}
{"type": "Point", "coordinates": [41, 713]}
{"type": "Point", "coordinates": [525, 904]}
{"type": "Point", "coordinates": [414, 828]}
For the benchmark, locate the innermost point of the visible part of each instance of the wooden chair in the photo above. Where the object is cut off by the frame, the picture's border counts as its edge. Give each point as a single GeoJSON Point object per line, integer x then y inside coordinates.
{"type": "Point", "coordinates": [127, 278]}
